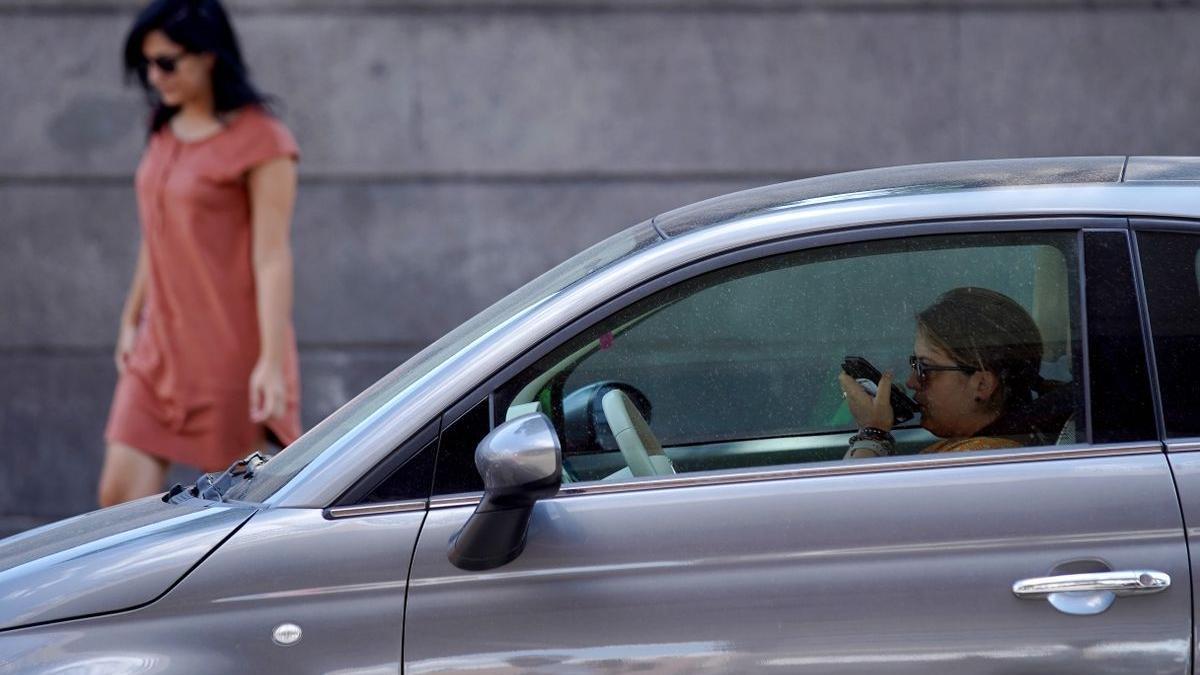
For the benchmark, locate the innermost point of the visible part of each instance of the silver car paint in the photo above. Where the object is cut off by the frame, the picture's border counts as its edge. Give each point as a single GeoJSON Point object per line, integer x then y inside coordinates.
{"type": "Point", "coordinates": [907, 572]}
{"type": "Point", "coordinates": [1185, 463]}
{"type": "Point", "coordinates": [330, 474]}
{"type": "Point", "coordinates": [914, 179]}
{"type": "Point", "coordinates": [519, 451]}
{"type": "Point", "coordinates": [107, 560]}
{"type": "Point", "coordinates": [1162, 169]}
{"type": "Point", "coordinates": [342, 582]}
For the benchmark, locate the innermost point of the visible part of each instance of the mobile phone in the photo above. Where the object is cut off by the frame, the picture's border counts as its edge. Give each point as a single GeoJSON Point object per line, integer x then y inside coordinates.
{"type": "Point", "coordinates": [903, 407]}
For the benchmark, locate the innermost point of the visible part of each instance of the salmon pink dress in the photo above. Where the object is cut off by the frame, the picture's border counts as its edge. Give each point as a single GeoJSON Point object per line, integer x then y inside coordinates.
{"type": "Point", "coordinates": [185, 392]}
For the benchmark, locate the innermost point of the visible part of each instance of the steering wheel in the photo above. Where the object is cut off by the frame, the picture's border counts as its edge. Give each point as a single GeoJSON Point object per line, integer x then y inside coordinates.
{"type": "Point", "coordinates": [641, 450]}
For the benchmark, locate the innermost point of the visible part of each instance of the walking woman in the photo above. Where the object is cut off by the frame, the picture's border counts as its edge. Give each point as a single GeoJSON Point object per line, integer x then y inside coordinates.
{"type": "Point", "coordinates": [206, 353]}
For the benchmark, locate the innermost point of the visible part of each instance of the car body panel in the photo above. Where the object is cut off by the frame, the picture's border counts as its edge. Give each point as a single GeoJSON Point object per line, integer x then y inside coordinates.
{"type": "Point", "coordinates": [342, 582]}
{"type": "Point", "coordinates": [890, 181]}
{"type": "Point", "coordinates": [1185, 463]}
{"type": "Point", "coordinates": [108, 560]}
{"type": "Point", "coordinates": [1141, 169]}
{"type": "Point", "coordinates": [908, 572]}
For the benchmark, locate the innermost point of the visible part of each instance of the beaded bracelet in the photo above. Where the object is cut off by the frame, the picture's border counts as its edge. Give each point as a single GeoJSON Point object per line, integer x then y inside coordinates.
{"type": "Point", "coordinates": [878, 441]}
{"type": "Point", "coordinates": [874, 434]}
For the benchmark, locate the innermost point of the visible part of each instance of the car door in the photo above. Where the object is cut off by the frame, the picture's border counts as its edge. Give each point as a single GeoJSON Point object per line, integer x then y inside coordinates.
{"type": "Point", "coordinates": [1168, 251]}
{"type": "Point", "coordinates": [765, 550]}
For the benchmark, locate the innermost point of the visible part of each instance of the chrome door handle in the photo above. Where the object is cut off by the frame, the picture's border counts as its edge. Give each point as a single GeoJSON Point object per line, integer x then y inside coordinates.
{"type": "Point", "coordinates": [1127, 582]}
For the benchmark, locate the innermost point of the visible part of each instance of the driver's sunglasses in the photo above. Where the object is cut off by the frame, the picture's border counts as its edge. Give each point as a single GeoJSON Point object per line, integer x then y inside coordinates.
{"type": "Point", "coordinates": [923, 369]}
{"type": "Point", "coordinates": [165, 64]}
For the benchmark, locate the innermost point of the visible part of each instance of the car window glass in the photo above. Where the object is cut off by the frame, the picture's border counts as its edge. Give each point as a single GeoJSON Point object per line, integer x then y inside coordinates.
{"type": "Point", "coordinates": [411, 480]}
{"type": "Point", "coordinates": [1170, 268]}
{"type": "Point", "coordinates": [1121, 408]}
{"type": "Point", "coordinates": [738, 367]}
{"type": "Point", "coordinates": [455, 471]}
{"type": "Point", "coordinates": [288, 463]}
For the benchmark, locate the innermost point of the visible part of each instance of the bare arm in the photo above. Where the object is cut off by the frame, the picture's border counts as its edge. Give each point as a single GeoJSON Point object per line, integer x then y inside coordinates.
{"type": "Point", "coordinates": [132, 310]}
{"type": "Point", "coordinates": [137, 290]}
{"type": "Point", "coordinates": [272, 197]}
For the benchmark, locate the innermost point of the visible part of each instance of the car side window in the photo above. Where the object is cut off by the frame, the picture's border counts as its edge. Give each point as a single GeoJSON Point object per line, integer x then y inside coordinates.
{"type": "Point", "coordinates": [739, 367]}
{"type": "Point", "coordinates": [1171, 271]}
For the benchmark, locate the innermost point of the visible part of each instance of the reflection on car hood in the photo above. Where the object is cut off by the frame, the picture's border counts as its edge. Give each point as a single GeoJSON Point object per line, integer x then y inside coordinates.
{"type": "Point", "coordinates": [108, 560]}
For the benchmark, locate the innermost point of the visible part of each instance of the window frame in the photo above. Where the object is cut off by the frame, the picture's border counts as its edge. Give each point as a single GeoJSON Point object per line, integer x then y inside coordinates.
{"type": "Point", "coordinates": [353, 502]}
{"type": "Point", "coordinates": [1149, 225]}
{"type": "Point", "coordinates": [1077, 225]}
{"type": "Point", "coordinates": [1066, 243]}
{"type": "Point", "coordinates": [1131, 333]}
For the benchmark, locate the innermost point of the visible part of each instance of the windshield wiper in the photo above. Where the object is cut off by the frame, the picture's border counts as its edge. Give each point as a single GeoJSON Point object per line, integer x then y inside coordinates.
{"type": "Point", "coordinates": [213, 489]}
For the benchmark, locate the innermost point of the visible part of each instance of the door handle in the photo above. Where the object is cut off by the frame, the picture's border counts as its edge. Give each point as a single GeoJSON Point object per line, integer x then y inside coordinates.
{"type": "Point", "coordinates": [1126, 582]}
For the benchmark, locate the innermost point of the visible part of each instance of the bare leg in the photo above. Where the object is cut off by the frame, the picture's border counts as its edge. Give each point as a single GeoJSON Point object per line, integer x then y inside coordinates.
{"type": "Point", "coordinates": [129, 474]}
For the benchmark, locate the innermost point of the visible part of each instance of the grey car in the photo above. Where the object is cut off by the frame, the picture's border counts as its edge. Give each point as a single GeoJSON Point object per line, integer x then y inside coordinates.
{"type": "Point", "coordinates": [635, 464]}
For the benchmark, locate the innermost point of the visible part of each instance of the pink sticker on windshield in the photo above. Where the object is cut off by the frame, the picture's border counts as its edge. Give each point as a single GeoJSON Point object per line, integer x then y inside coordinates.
{"type": "Point", "coordinates": [606, 340]}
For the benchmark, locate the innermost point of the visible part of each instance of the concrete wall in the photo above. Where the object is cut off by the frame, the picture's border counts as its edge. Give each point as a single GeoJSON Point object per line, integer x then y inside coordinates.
{"type": "Point", "coordinates": [454, 149]}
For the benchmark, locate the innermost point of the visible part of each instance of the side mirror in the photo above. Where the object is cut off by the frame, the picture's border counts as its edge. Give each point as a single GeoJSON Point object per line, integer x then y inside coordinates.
{"type": "Point", "coordinates": [521, 462]}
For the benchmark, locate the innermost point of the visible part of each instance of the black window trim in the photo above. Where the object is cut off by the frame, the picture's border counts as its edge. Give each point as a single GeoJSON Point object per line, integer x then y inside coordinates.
{"type": "Point", "coordinates": [350, 502]}
{"type": "Point", "coordinates": [1064, 223]}
{"type": "Point", "coordinates": [1085, 377]}
{"type": "Point", "coordinates": [1143, 300]}
{"type": "Point", "coordinates": [1138, 225]}
{"type": "Point", "coordinates": [1102, 312]}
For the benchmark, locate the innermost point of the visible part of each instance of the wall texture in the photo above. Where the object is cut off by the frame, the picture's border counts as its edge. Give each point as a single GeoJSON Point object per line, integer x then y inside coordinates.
{"type": "Point", "coordinates": [453, 149]}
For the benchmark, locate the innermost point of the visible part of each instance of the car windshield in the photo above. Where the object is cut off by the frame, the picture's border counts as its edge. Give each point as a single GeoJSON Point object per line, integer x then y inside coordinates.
{"type": "Point", "coordinates": [285, 465]}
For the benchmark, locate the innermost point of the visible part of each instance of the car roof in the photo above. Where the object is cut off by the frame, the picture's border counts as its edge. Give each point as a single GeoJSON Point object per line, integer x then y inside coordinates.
{"type": "Point", "coordinates": [926, 178]}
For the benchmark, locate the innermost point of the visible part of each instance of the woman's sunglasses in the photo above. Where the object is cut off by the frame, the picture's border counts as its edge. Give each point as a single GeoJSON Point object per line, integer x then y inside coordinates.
{"type": "Point", "coordinates": [165, 64]}
{"type": "Point", "coordinates": [923, 369]}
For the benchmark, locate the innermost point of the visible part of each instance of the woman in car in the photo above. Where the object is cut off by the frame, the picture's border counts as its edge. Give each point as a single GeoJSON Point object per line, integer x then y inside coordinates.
{"type": "Point", "coordinates": [974, 374]}
{"type": "Point", "coordinates": [205, 351]}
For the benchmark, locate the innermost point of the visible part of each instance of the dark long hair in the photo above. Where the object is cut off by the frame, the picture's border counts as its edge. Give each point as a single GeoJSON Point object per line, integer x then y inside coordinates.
{"type": "Point", "coordinates": [985, 329]}
{"type": "Point", "coordinates": [200, 27]}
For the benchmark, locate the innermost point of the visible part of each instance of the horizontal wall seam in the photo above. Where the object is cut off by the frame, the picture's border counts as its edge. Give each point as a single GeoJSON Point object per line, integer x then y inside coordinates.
{"type": "Point", "coordinates": [748, 7]}
{"type": "Point", "coordinates": [318, 348]}
{"type": "Point", "coordinates": [464, 178]}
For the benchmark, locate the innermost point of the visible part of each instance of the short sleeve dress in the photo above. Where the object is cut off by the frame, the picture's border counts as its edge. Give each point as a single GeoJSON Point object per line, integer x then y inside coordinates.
{"type": "Point", "coordinates": [184, 395]}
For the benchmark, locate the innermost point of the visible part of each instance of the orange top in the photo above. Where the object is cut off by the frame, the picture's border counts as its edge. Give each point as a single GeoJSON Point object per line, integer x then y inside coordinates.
{"type": "Point", "coordinates": [970, 443]}
{"type": "Point", "coordinates": [198, 338]}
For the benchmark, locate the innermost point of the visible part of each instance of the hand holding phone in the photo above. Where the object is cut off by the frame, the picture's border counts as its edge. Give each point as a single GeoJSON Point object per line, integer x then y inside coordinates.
{"type": "Point", "coordinates": [903, 407]}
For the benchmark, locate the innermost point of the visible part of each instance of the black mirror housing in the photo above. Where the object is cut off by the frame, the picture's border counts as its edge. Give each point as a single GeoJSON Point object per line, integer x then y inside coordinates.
{"type": "Point", "coordinates": [521, 462]}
